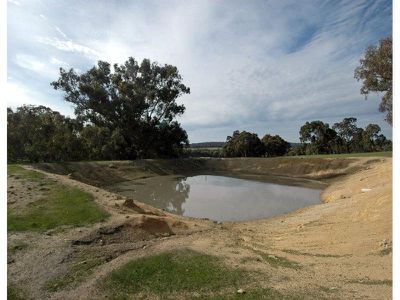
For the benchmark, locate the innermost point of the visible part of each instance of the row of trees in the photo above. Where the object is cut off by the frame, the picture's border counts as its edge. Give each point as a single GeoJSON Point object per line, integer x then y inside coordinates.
{"type": "Point", "coordinates": [247, 144]}
{"type": "Point", "coordinates": [125, 113]}
{"type": "Point", "coordinates": [344, 137]}
{"type": "Point", "coordinates": [316, 137]}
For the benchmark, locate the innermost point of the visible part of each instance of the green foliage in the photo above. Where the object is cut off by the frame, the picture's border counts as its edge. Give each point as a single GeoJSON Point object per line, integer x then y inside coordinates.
{"type": "Point", "coordinates": [132, 107]}
{"type": "Point", "coordinates": [36, 133]}
{"type": "Point", "coordinates": [319, 135]}
{"type": "Point", "coordinates": [375, 71]}
{"type": "Point", "coordinates": [171, 272]}
{"type": "Point", "coordinates": [243, 144]}
{"type": "Point", "coordinates": [275, 145]}
{"type": "Point", "coordinates": [344, 137]}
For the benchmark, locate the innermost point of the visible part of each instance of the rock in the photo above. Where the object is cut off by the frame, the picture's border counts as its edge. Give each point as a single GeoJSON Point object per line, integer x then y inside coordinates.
{"type": "Point", "coordinates": [365, 190]}
{"type": "Point", "coordinates": [69, 175]}
{"type": "Point", "coordinates": [112, 166]}
{"type": "Point", "coordinates": [241, 291]}
{"type": "Point", "coordinates": [196, 295]}
{"type": "Point", "coordinates": [132, 205]}
{"type": "Point", "coordinates": [272, 256]}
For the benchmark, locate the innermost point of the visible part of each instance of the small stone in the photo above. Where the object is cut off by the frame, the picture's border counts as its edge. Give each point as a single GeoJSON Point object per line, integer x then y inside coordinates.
{"type": "Point", "coordinates": [127, 217]}
{"type": "Point", "coordinates": [240, 291]}
{"type": "Point", "coordinates": [196, 295]}
{"type": "Point", "coordinates": [272, 256]}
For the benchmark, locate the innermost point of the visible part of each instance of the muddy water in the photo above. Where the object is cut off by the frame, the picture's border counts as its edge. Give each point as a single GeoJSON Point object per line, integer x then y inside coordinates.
{"type": "Point", "coordinates": [218, 198]}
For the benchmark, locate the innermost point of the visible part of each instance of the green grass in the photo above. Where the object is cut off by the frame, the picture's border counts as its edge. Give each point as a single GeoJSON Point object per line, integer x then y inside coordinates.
{"type": "Point", "coordinates": [180, 271]}
{"type": "Point", "coordinates": [25, 174]}
{"type": "Point", "coordinates": [14, 293]}
{"type": "Point", "coordinates": [60, 205]}
{"type": "Point", "coordinates": [267, 293]}
{"type": "Point", "coordinates": [365, 154]}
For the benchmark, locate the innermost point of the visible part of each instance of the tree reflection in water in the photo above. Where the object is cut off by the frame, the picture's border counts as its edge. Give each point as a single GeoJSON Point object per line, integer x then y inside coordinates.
{"type": "Point", "coordinates": [166, 192]}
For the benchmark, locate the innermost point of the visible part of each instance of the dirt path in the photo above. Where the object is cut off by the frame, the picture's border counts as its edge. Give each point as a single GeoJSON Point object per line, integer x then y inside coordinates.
{"type": "Point", "coordinates": [339, 250]}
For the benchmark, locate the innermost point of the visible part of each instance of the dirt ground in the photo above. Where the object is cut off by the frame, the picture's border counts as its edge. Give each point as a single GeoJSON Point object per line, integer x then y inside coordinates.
{"type": "Point", "coordinates": [342, 246]}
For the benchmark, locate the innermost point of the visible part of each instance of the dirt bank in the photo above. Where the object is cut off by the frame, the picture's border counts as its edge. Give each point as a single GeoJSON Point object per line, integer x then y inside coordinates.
{"type": "Point", "coordinates": [337, 250]}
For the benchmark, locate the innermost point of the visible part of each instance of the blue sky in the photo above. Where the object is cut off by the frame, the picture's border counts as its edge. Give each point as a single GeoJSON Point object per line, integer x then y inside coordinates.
{"type": "Point", "coordinates": [261, 66]}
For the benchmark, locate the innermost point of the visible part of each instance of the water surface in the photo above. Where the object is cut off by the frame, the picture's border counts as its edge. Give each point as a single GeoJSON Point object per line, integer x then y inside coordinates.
{"type": "Point", "coordinates": [218, 198]}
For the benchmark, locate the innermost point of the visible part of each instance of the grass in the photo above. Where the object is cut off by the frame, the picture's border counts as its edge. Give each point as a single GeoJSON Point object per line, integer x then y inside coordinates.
{"type": "Point", "coordinates": [364, 154]}
{"type": "Point", "coordinates": [17, 170]}
{"type": "Point", "coordinates": [372, 282]}
{"type": "Point", "coordinates": [165, 274]}
{"type": "Point", "coordinates": [386, 251]}
{"type": "Point", "coordinates": [295, 252]}
{"type": "Point", "coordinates": [277, 261]}
{"type": "Point", "coordinates": [60, 205]}
{"type": "Point", "coordinates": [17, 247]}
{"type": "Point", "coordinates": [79, 270]}
{"type": "Point", "coordinates": [14, 293]}
{"type": "Point", "coordinates": [266, 293]}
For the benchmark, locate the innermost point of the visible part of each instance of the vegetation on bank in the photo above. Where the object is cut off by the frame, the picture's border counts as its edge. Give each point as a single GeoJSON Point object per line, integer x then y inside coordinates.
{"type": "Point", "coordinates": [316, 138]}
{"type": "Point", "coordinates": [185, 273]}
{"type": "Point", "coordinates": [58, 205]}
{"type": "Point", "coordinates": [173, 272]}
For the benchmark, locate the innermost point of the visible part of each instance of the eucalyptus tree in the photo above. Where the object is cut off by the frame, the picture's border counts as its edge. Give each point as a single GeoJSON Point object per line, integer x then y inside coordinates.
{"type": "Point", "coordinates": [138, 101]}
{"type": "Point", "coordinates": [375, 71]}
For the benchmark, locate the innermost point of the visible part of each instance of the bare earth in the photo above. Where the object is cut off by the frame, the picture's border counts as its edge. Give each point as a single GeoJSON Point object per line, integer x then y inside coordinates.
{"type": "Point", "coordinates": [343, 246]}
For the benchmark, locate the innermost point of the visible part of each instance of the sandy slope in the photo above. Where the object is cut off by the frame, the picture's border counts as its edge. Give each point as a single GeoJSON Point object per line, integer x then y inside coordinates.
{"type": "Point", "coordinates": [343, 247]}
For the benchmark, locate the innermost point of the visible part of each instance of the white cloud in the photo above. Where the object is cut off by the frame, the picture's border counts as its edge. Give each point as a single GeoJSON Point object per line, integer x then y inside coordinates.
{"type": "Point", "coordinates": [19, 94]}
{"type": "Point", "coordinates": [69, 46]}
{"type": "Point", "coordinates": [258, 62]}
{"type": "Point", "coordinates": [60, 32]}
{"type": "Point", "coordinates": [14, 2]}
{"type": "Point", "coordinates": [34, 64]}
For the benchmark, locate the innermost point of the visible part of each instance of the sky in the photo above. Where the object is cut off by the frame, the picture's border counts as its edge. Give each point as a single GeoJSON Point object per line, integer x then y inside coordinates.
{"type": "Point", "coordinates": [261, 66]}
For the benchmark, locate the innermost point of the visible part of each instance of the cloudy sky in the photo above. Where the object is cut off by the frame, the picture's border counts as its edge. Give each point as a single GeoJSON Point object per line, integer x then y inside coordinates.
{"type": "Point", "coordinates": [262, 66]}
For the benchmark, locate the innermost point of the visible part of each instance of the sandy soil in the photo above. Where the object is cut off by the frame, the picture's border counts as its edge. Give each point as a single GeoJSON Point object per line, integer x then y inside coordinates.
{"type": "Point", "coordinates": [343, 246]}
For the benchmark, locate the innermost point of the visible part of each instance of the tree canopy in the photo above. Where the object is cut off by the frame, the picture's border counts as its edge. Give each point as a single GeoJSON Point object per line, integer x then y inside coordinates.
{"type": "Point", "coordinates": [344, 137]}
{"type": "Point", "coordinates": [243, 144]}
{"type": "Point", "coordinates": [135, 103]}
{"type": "Point", "coordinates": [375, 71]}
{"type": "Point", "coordinates": [275, 145]}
